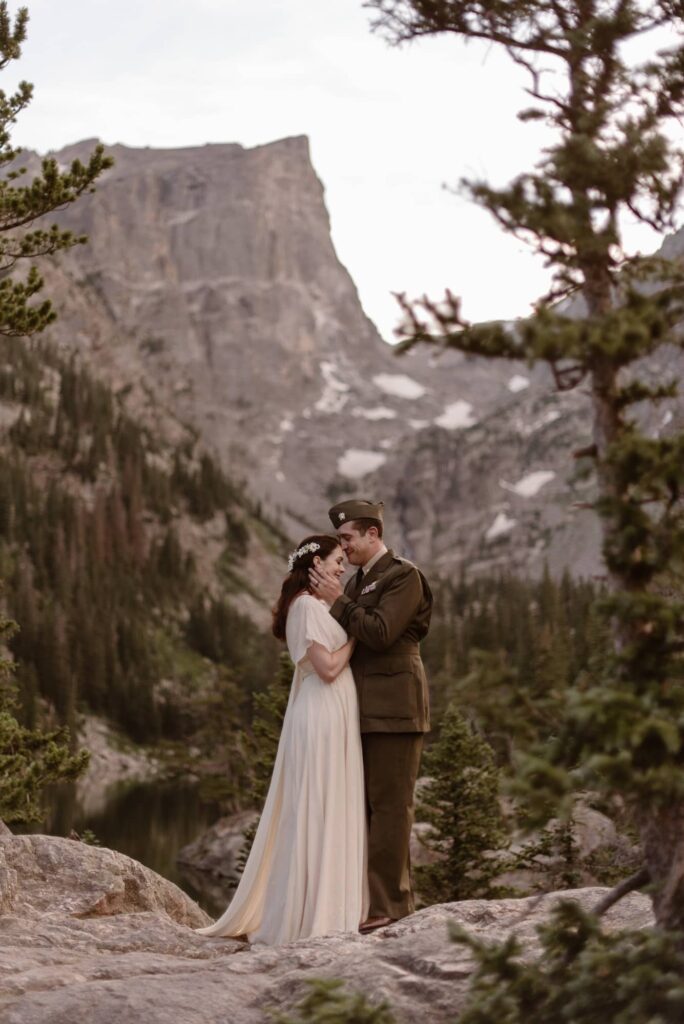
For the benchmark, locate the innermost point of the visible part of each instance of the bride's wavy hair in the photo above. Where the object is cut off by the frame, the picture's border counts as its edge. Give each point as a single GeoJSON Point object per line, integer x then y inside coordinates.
{"type": "Point", "coordinates": [297, 579]}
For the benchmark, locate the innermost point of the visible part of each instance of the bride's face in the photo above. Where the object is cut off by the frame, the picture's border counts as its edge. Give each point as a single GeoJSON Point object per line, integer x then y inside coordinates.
{"type": "Point", "coordinates": [334, 562]}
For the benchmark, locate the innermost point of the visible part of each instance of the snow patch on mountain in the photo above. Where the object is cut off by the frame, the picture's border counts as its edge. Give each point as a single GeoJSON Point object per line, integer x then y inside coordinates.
{"type": "Point", "coordinates": [502, 524]}
{"type": "Point", "coordinates": [527, 429]}
{"type": "Point", "coordinates": [530, 484]}
{"type": "Point", "coordinates": [334, 396]}
{"type": "Point", "coordinates": [380, 412]}
{"type": "Point", "coordinates": [356, 462]}
{"type": "Point", "coordinates": [457, 416]}
{"type": "Point", "coordinates": [399, 385]}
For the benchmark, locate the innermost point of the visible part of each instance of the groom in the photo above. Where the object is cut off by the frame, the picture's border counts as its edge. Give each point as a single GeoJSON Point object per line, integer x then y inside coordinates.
{"type": "Point", "coordinates": [386, 606]}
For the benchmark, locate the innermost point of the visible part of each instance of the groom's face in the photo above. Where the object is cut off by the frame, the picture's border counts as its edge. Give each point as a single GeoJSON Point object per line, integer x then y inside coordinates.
{"type": "Point", "coordinates": [356, 546]}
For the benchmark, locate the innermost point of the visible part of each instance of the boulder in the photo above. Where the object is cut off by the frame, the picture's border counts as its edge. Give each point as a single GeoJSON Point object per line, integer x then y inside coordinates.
{"type": "Point", "coordinates": [49, 874]}
{"type": "Point", "coordinates": [8, 883]}
{"type": "Point", "coordinates": [217, 850]}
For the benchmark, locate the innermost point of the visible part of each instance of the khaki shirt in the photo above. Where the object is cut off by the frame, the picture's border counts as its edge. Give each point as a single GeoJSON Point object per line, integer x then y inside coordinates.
{"type": "Point", "coordinates": [388, 614]}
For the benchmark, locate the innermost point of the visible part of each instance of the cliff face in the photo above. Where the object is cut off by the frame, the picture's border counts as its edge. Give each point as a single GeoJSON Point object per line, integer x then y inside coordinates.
{"type": "Point", "coordinates": [211, 280]}
{"type": "Point", "coordinates": [211, 295]}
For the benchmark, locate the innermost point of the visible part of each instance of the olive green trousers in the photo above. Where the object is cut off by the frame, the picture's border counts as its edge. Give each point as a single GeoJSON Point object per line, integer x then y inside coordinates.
{"type": "Point", "coordinates": [390, 766]}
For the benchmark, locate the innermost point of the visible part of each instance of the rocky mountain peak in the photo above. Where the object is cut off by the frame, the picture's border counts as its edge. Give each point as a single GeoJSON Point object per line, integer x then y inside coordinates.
{"type": "Point", "coordinates": [211, 295]}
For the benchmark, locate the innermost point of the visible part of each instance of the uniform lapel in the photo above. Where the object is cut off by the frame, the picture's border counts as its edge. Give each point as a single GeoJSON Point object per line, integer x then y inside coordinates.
{"type": "Point", "coordinates": [380, 566]}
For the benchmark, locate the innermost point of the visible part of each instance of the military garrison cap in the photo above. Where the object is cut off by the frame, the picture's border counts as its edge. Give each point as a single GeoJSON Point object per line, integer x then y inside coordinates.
{"type": "Point", "coordinates": [355, 508]}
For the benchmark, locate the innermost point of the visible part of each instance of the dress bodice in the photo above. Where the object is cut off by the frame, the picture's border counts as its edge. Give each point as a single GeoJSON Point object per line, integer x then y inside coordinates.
{"type": "Point", "coordinates": [309, 621]}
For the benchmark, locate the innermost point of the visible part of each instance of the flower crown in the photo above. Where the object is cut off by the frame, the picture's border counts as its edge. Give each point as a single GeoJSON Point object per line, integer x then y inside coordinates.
{"type": "Point", "coordinates": [305, 548]}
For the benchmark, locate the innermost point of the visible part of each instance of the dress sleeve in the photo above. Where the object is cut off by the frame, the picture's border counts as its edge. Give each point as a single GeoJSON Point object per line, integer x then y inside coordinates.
{"type": "Point", "coordinates": [306, 624]}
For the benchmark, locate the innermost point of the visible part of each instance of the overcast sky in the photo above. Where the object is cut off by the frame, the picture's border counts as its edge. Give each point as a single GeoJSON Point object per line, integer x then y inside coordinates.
{"type": "Point", "coordinates": [388, 127]}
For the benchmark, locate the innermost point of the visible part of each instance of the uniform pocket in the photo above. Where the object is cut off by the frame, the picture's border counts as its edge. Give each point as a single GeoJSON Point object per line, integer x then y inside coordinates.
{"type": "Point", "coordinates": [390, 691]}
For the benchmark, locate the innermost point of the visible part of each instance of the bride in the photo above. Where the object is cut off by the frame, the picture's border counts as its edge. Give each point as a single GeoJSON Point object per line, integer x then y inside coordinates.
{"type": "Point", "coordinates": [306, 871]}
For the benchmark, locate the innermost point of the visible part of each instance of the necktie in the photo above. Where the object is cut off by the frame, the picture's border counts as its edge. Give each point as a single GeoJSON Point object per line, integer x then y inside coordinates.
{"type": "Point", "coordinates": [358, 581]}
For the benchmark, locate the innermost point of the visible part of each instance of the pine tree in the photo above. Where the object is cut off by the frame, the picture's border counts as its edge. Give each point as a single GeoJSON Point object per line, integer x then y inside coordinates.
{"type": "Point", "coordinates": [29, 759]}
{"type": "Point", "coordinates": [622, 729]}
{"type": "Point", "coordinates": [22, 204]}
{"type": "Point", "coordinates": [328, 1002]}
{"type": "Point", "coordinates": [261, 743]}
{"type": "Point", "coordinates": [613, 156]}
{"type": "Point", "coordinates": [267, 722]}
{"type": "Point", "coordinates": [461, 804]}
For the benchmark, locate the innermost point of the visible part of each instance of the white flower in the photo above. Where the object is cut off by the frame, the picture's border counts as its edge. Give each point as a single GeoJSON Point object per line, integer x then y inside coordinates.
{"type": "Point", "coordinates": [305, 548]}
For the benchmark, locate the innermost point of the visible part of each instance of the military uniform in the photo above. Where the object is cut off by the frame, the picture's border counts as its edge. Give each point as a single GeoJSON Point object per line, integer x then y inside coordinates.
{"type": "Point", "coordinates": [388, 612]}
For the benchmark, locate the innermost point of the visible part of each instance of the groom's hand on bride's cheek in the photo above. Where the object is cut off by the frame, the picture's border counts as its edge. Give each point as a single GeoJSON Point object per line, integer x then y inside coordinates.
{"type": "Point", "coordinates": [325, 585]}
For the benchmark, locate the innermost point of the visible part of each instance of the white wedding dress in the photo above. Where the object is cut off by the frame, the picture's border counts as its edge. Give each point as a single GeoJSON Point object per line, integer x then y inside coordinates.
{"type": "Point", "coordinates": [306, 871]}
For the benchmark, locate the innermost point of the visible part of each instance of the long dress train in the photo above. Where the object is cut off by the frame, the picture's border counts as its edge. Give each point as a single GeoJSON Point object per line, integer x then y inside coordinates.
{"type": "Point", "coordinates": [306, 871]}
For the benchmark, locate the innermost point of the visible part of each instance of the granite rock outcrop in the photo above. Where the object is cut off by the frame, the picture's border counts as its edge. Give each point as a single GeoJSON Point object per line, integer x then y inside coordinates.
{"type": "Point", "coordinates": [77, 942]}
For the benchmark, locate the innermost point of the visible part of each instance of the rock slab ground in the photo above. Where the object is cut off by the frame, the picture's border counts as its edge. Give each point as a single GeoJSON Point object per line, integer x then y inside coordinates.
{"type": "Point", "coordinates": [89, 934]}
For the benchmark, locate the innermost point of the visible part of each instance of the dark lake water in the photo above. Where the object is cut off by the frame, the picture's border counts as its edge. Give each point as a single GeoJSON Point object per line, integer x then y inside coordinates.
{"type": "Point", "coordinates": [150, 822]}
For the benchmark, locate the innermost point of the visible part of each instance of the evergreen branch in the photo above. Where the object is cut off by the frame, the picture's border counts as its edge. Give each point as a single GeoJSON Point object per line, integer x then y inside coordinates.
{"type": "Point", "coordinates": [636, 391]}
{"type": "Point", "coordinates": [35, 245]}
{"type": "Point", "coordinates": [402, 20]}
{"type": "Point", "coordinates": [658, 221]}
{"type": "Point", "coordinates": [49, 192]}
{"type": "Point", "coordinates": [11, 36]}
{"type": "Point", "coordinates": [444, 326]}
{"type": "Point", "coordinates": [588, 452]}
{"type": "Point", "coordinates": [636, 881]}
{"type": "Point", "coordinates": [559, 10]}
{"type": "Point", "coordinates": [567, 378]}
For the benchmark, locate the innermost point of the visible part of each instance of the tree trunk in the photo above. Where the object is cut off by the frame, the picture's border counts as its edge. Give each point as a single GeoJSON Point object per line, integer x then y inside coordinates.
{"type": "Point", "coordinates": [662, 838]}
{"type": "Point", "coordinates": [661, 828]}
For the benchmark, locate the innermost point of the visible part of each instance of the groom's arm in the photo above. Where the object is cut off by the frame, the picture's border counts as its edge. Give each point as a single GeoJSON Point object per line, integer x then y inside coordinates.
{"type": "Point", "coordinates": [382, 625]}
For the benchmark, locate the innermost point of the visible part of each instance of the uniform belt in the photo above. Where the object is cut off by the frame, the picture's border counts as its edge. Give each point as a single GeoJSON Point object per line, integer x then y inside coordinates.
{"type": "Point", "coordinates": [403, 647]}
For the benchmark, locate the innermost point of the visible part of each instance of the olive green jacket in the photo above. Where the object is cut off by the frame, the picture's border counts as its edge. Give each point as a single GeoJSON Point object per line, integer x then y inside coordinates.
{"type": "Point", "coordinates": [388, 614]}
